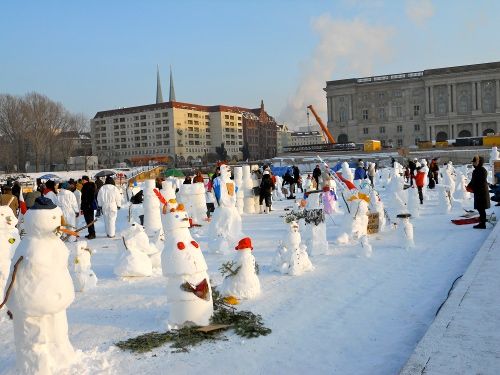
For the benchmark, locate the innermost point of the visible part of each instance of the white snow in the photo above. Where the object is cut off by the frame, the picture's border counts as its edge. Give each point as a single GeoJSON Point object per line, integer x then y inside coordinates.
{"type": "Point", "coordinates": [350, 315]}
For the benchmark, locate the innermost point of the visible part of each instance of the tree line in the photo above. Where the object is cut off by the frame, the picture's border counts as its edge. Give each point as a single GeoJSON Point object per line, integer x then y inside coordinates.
{"type": "Point", "coordinates": [37, 130]}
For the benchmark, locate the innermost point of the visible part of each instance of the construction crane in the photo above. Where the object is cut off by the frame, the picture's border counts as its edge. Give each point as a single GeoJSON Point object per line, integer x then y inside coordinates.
{"type": "Point", "coordinates": [325, 130]}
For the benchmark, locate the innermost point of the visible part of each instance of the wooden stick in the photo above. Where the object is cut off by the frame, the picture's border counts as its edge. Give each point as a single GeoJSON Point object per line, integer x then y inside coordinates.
{"type": "Point", "coordinates": [14, 272]}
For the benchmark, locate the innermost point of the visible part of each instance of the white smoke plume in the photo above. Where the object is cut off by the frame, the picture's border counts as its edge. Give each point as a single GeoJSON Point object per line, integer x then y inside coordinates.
{"type": "Point", "coordinates": [345, 49]}
{"type": "Point", "coordinates": [419, 11]}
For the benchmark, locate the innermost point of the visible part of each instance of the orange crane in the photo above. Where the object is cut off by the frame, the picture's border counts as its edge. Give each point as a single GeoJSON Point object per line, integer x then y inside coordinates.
{"type": "Point", "coordinates": [325, 130]}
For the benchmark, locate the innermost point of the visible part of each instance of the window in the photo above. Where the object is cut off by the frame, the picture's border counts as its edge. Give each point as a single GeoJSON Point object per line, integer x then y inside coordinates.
{"type": "Point", "coordinates": [381, 95]}
{"type": "Point", "coordinates": [343, 114]}
{"type": "Point", "coordinates": [165, 122]}
{"type": "Point", "coordinates": [416, 110]}
{"type": "Point", "coordinates": [164, 114]}
{"type": "Point", "coordinates": [398, 93]}
{"type": "Point", "coordinates": [143, 117]}
{"type": "Point", "coordinates": [399, 128]}
{"type": "Point", "coordinates": [365, 130]}
{"type": "Point", "coordinates": [382, 129]}
{"type": "Point", "coordinates": [190, 115]}
{"type": "Point", "coordinates": [381, 113]}
{"type": "Point", "coordinates": [417, 127]}
{"type": "Point", "coordinates": [400, 142]}
{"type": "Point", "coordinates": [365, 114]}
{"type": "Point", "coordinates": [417, 140]}
{"type": "Point", "coordinates": [157, 115]}
{"type": "Point", "coordinates": [399, 112]}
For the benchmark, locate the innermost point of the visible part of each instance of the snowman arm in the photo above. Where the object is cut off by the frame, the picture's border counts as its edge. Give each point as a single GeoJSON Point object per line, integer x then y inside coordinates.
{"type": "Point", "coordinates": [14, 272]}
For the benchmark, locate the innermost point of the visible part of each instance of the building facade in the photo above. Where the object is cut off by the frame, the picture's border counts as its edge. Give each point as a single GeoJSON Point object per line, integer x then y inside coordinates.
{"type": "Point", "coordinates": [183, 131]}
{"type": "Point", "coordinates": [259, 133]}
{"type": "Point", "coordinates": [402, 109]}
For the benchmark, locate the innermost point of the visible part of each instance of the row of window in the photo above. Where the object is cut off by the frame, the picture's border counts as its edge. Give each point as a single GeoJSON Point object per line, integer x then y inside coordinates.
{"type": "Point", "coordinates": [381, 113]}
{"type": "Point", "coordinates": [399, 129]}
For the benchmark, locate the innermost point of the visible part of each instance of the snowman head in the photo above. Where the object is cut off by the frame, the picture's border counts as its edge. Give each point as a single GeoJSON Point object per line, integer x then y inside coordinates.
{"type": "Point", "coordinates": [43, 218]}
{"type": "Point", "coordinates": [176, 218]}
{"type": "Point", "coordinates": [244, 244]}
{"type": "Point", "coordinates": [294, 227]}
{"type": "Point", "coordinates": [7, 218]}
{"type": "Point", "coordinates": [225, 172]}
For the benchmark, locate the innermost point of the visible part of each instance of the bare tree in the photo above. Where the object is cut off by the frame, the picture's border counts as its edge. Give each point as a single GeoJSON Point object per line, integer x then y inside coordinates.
{"type": "Point", "coordinates": [12, 130]}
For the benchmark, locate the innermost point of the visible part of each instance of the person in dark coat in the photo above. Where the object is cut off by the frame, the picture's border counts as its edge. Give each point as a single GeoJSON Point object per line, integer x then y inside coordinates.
{"type": "Point", "coordinates": [316, 175]}
{"type": "Point", "coordinates": [479, 186]}
{"type": "Point", "coordinates": [88, 204]}
{"type": "Point", "coordinates": [288, 179]}
{"type": "Point", "coordinates": [266, 189]}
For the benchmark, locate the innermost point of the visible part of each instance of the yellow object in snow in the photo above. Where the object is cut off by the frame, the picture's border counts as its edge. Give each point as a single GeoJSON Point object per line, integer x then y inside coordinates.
{"type": "Point", "coordinates": [231, 300]}
{"type": "Point", "coordinates": [12, 240]}
{"type": "Point", "coordinates": [76, 260]}
{"type": "Point", "coordinates": [362, 196]}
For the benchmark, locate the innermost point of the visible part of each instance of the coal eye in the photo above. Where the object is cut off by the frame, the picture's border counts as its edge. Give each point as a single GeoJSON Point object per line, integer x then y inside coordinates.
{"type": "Point", "coordinates": [53, 217]}
{"type": "Point", "coordinates": [177, 216]}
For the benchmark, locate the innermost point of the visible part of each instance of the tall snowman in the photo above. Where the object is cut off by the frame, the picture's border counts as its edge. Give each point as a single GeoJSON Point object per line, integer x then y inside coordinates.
{"type": "Point", "coordinates": [240, 196]}
{"type": "Point", "coordinates": [9, 240]}
{"type": "Point", "coordinates": [248, 196]}
{"type": "Point", "coordinates": [41, 293]}
{"type": "Point", "coordinates": [189, 294]}
{"type": "Point", "coordinates": [242, 281]}
{"type": "Point", "coordinates": [225, 226]}
{"type": "Point", "coordinates": [151, 207]}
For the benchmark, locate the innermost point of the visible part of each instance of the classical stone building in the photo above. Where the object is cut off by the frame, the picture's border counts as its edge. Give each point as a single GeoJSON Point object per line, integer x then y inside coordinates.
{"type": "Point", "coordinates": [403, 109]}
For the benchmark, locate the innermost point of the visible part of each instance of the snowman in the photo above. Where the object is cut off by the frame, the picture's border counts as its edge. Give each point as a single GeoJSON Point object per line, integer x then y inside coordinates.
{"type": "Point", "coordinates": [151, 209]}
{"type": "Point", "coordinates": [405, 232]}
{"type": "Point", "coordinates": [81, 268]}
{"type": "Point", "coordinates": [9, 240]}
{"type": "Point", "coordinates": [238, 181]}
{"type": "Point", "coordinates": [133, 260]}
{"type": "Point", "coordinates": [41, 293]}
{"type": "Point", "coordinates": [376, 205]}
{"type": "Point", "coordinates": [189, 293]}
{"type": "Point", "coordinates": [314, 226]}
{"type": "Point", "coordinates": [346, 171]}
{"type": "Point", "coordinates": [413, 202]}
{"type": "Point", "coordinates": [242, 281]}
{"type": "Point", "coordinates": [192, 196]}
{"type": "Point", "coordinates": [248, 196]}
{"type": "Point", "coordinates": [226, 220]}
{"type": "Point", "coordinates": [291, 256]}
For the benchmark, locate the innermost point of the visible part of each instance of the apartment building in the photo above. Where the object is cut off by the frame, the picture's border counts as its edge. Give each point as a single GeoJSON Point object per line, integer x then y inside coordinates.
{"type": "Point", "coordinates": [183, 131]}
{"type": "Point", "coordinates": [402, 109]}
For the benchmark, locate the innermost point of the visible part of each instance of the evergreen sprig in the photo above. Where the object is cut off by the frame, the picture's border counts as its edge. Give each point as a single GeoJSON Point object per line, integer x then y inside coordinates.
{"type": "Point", "coordinates": [245, 324]}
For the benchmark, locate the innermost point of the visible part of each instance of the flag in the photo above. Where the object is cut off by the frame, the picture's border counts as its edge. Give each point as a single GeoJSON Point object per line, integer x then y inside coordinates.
{"type": "Point", "coordinates": [347, 183]}
{"type": "Point", "coordinates": [22, 204]}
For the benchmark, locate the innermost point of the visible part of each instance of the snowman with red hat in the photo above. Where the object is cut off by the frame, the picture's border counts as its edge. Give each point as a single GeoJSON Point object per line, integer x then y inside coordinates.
{"type": "Point", "coordinates": [242, 281]}
{"type": "Point", "coordinates": [189, 293]}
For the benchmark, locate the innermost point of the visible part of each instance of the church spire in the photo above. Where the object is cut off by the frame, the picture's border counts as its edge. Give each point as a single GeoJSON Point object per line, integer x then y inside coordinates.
{"type": "Point", "coordinates": [171, 96]}
{"type": "Point", "coordinates": [159, 96]}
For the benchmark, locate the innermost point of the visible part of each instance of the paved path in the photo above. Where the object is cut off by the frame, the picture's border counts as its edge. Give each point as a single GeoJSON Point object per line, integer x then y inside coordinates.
{"type": "Point", "coordinates": [465, 336]}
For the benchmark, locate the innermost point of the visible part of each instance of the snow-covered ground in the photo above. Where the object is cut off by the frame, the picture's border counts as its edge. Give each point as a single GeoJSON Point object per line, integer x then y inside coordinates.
{"type": "Point", "coordinates": [351, 315]}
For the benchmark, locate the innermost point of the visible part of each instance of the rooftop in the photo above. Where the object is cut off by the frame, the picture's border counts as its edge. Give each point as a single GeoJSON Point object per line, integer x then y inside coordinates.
{"type": "Point", "coordinates": [416, 75]}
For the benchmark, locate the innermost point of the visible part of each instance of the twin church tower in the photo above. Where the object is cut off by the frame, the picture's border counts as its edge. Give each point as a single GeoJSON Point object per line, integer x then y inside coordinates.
{"type": "Point", "coordinates": [159, 95]}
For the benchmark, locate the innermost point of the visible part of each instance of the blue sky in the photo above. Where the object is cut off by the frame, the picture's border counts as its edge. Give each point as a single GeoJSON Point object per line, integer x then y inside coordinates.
{"type": "Point", "coordinates": [98, 55]}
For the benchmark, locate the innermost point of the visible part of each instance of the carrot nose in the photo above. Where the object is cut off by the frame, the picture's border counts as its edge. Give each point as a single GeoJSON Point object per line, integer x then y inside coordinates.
{"type": "Point", "coordinates": [68, 232]}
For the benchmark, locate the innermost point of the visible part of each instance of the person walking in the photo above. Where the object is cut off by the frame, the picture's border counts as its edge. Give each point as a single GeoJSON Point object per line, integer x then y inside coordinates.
{"type": "Point", "coordinates": [266, 189]}
{"type": "Point", "coordinates": [412, 164]}
{"type": "Point", "coordinates": [316, 176]}
{"type": "Point", "coordinates": [50, 191]}
{"type": "Point", "coordinates": [479, 186]}
{"type": "Point", "coordinates": [371, 173]}
{"type": "Point", "coordinates": [419, 181]}
{"type": "Point", "coordinates": [198, 178]}
{"type": "Point", "coordinates": [434, 170]}
{"type": "Point", "coordinates": [98, 185]}
{"type": "Point", "coordinates": [109, 199]}
{"type": "Point", "coordinates": [88, 204]}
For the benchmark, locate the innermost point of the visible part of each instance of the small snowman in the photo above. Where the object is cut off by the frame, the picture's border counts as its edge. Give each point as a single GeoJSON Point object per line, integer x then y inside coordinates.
{"type": "Point", "coordinates": [376, 205]}
{"type": "Point", "coordinates": [41, 293]}
{"type": "Point", "coordinates": [314, 226]}
{"type": "Point", "coordinates": [444, 204]}
{"type": "Point", "coordinates": [405, 232]}
{"type": "Point", "coordinates": [133, 260]}
{"type": "Point", "coordinates": [151, 209]}
{"type": "Point", "coordinates": [80, 267]}
{"type": "Point", "coordinates": [242, 281]}
{"type": "Point", "coordinates": [291, 256]}
{"type": "Point", "coordinates": [413, 202]}
{"type": "Point", "coordinates": [346, 171]}
{"type": "Point", "coordinates": [359, 224]}
{"type": "Point", "coordinates": [9, 240]}
{"type": "Point", "coordinates": [189, 293]}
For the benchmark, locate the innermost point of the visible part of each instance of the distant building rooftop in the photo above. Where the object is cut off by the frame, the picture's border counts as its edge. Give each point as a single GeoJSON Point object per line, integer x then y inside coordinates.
{"type": "Point", "coordinates": [416, 75]}
{"type": "Point", "coordinates": [304, 134]}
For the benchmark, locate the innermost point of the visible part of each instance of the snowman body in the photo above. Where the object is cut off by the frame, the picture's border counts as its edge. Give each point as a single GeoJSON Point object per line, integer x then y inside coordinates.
{"type": "Point", "coordinates": [134, 260]}
{"type": "Point", "coordinates": [189, 293]}
{"type": "Point", "coordinates": [245, 283]}
{"type": "Point", "coordinates": [42, 291]}
{"type": "Point", "coordinates": [225, 225]}
{"type": "Point", "coordinates": [151, 209]}
{"type": "Point", "coordinates": [9, 240]}
{"type": "Point", "coordinates": [192, 196]}
{"type": "Point", "coordinates": [82, 274]}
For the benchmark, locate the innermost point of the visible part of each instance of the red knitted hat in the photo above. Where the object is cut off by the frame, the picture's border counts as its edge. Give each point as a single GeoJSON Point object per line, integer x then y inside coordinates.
{"type": "Point", "coordinates": [245, 243]}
